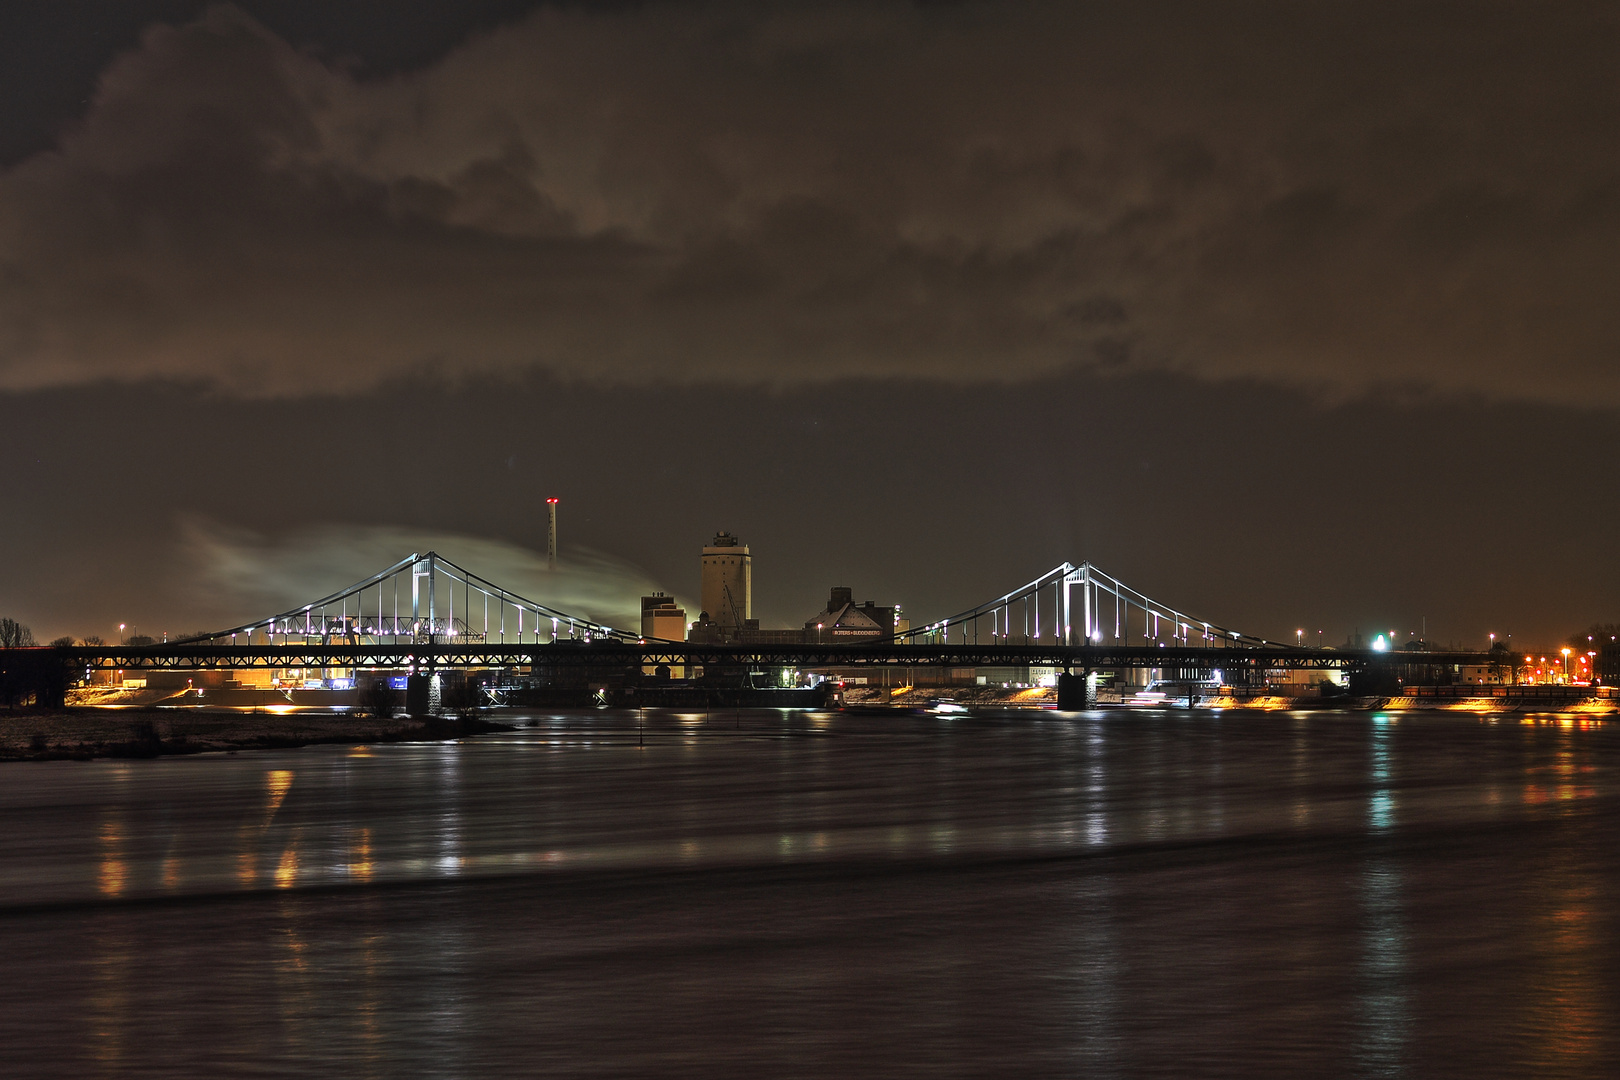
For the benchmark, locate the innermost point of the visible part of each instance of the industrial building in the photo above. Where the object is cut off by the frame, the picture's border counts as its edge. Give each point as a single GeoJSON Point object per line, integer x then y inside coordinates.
{"type": "Point", "coordinates": [665, 620]}
{"type": "Point", "coordinates": [843, 621]}
{"type": "Point", "coordinates": [727, 592]}
{"type": "Point", "coordinates": [662, 618]}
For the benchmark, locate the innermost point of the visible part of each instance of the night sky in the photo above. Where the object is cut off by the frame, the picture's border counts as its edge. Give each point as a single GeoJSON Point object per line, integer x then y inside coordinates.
{"type": "Point", "coordinates": [1294, 316]}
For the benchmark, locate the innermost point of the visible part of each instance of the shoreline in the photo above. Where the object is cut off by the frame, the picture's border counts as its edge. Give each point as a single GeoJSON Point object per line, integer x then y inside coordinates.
{"type": "Point", "coordinates": [90, 733]}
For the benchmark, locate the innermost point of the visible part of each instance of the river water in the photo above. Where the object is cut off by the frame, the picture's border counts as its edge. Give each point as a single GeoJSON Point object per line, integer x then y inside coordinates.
{"type": "Point", "coordinates": [765, 893]}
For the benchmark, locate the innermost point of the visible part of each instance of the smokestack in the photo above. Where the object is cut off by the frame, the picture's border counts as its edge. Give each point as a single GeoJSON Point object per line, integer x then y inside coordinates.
{"type": "Point", "coordinates": [551, 533]}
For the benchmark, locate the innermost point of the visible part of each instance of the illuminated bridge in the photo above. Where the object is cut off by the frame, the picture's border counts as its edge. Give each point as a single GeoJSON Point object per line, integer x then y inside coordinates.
{"type": "Point", "coordinates": [427, 613]}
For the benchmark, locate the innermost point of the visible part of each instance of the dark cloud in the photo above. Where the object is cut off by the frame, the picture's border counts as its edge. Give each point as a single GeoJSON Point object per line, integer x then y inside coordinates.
{"type": "Point", "coordinates": [1343, 197]}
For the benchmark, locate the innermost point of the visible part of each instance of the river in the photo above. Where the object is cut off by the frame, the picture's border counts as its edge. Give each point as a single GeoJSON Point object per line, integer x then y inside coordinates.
{"type": "Point", "coordinates": [789, 894]}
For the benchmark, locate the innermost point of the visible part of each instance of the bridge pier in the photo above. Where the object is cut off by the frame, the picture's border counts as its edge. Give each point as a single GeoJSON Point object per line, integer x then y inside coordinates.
{"type": "Point", "coordinates": [1076, 693]}
{"type": "Point", "coordinates": [418, 689]}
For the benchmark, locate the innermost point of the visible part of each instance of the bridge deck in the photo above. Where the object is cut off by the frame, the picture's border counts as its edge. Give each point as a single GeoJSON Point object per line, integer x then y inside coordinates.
{"type": "Point", "coordinates": [615, 654]}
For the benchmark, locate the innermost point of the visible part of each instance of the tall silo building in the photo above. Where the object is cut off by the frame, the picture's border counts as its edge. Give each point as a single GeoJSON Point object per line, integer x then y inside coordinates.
{"type": "Point", "coordinates": [728, 584]}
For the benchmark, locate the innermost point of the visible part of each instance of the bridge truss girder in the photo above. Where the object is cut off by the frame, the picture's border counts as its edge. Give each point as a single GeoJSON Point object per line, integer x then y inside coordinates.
{"type": "Point", "coordinates": [623, 655]}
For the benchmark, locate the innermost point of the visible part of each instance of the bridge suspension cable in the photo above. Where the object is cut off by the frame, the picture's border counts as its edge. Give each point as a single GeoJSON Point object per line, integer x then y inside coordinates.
{"type": "Point", "coordinates": [441, 602]}
{"type": "Point", "coordinates": [1108, 611]}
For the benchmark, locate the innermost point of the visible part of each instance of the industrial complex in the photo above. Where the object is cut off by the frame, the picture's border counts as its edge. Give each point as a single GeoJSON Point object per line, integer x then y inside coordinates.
{"type": "Point", "coordinates": [727, 593]}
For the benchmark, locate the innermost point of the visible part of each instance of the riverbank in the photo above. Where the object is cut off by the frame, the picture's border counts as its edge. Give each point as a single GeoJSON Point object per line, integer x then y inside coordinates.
{"type": "Point", "coordinates": [85, 734]}
{"type": "Point", "coordinates": [1423, 699]}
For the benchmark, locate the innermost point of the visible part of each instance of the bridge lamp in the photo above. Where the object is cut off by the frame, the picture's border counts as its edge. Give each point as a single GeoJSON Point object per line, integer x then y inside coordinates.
{"type": "Point", "coordinates": [1379, 644]}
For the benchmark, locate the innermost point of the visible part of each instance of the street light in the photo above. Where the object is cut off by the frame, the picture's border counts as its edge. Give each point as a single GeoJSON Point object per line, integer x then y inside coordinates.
{"type": "Point", "coordinates": [120, 633]}
{"type": "Point", "coordinates": [1566, 663]}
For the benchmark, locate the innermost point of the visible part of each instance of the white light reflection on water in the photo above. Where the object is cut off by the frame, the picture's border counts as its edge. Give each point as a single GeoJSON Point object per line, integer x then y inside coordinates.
{"type": "Point", "coordinates": [447, 831]}
{"type": "Point", "coordinates": [110, 996]}
{"type": "Point", "coordinates": [1213, 811]}
{"type": "Point", "coordinates": [1300, 770]}
{"type": "Point", "coordinates": [1384, 1007]}
{"type": "Point", "coordinates": [1096, 788]}
{"type": "Point", "coordinates": [1092, 977]}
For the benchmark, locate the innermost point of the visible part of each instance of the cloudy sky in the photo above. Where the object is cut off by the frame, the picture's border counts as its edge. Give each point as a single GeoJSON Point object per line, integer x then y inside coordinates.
{"type": "Point", "coordinates": [1298, 316]}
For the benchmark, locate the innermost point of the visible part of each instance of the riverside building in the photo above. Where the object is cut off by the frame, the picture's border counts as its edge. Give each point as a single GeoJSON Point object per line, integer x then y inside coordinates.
{"type": "Point", "coordinates": [727, 591]}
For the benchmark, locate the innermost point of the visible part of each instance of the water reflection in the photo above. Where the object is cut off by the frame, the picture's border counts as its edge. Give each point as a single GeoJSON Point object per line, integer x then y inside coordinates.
{"type": "Point", "coordinates": [1384, 1005]}
{"type": "Point", "coordinates": [173, 873]}
{"type": "Point", "coordinates": [447, 831]}
{"type": "Point", "coordinates": [287, 868]}
{"type": "Point", "coordinates": [297, 998]}
{"type": "Point", "coordinates": [112, 963]}
{"type": "Point", "coordinates": [1096, 788]}
{"type": "Point", "coordinates": [1093, 976]}
{"type": "Point", "coordinates": [1106, 896]}
{"type": "Point", "coordinates": [113, 874]}
{"type": "Point", "coordinates": [112, 956]}
{"type": "Point", "coordinates": [360, 865]}
{"type": "Point", "coordinates": [277, 783]}
{"type": "Point", "coordinates": [1566, 995]}
{"type": "Point", "coordinates": [247, 856]}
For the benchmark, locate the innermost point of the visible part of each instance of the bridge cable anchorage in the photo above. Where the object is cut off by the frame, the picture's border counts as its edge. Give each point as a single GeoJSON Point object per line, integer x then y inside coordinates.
{"type": "Point", "coordinates": [1133, 615]}
{"type": "Point", "coordinates": [371, 611]}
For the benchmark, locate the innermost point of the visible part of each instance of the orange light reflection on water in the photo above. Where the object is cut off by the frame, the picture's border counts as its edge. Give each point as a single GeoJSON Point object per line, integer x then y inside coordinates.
{"type": "Point", "coordinates": [112, 875]}
{"type": "Point", "coordinates": [360, 864]}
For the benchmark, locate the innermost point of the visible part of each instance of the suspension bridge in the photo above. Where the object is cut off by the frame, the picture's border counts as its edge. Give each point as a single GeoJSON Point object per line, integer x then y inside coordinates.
{"type": "Point", "coordinates": [427, 613]}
